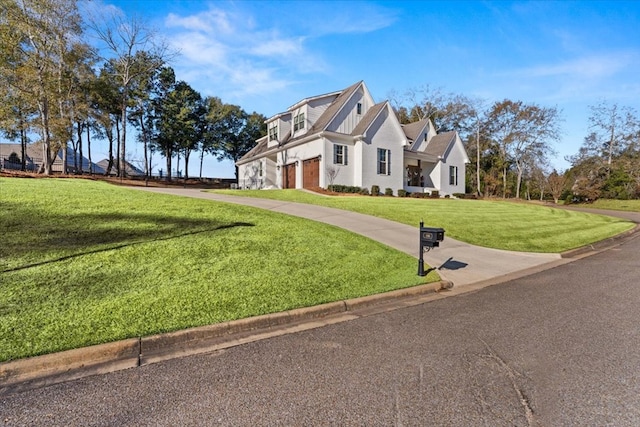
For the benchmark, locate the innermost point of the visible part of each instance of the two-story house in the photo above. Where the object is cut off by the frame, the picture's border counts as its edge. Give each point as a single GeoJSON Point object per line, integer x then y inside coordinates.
{"type": "Point", "coordinates": [346, 138]}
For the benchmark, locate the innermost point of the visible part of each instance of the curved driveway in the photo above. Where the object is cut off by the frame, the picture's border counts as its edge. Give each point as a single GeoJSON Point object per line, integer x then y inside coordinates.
{"type": "Point", "coordinates": [555, 348]}
{"type": "Point", "coordinates": [456, 261]}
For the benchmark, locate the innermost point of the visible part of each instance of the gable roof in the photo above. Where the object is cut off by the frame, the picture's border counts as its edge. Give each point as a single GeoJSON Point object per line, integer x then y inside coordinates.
{"type": "Point", "coordinates": [414, 130]}
{"type": "Point", "coordinates": [368, 118]}
{"type": "Point", "coordinates": [260, 148]}
{"type": "Point", "coordinates": [334, 108]}
{"type": "Point", "coordinates": [129, 168]}
{"type": "Point", "coordinates": [439, 144]}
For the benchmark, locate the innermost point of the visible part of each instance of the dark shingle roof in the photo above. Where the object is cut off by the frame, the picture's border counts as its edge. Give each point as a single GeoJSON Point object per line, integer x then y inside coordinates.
{"type": "Point", "coordinates": [260, 148]}
{"type": "Point", "coordinates": [333, 109]}
{"type": "Point", "coordinates": [439, 144]}
{"type": "Point", "coordinates": [321, 124]}
{"type": "Point", "coordinates": [368, 118]}
{"type": "Point", "coordinates": [413, 130]}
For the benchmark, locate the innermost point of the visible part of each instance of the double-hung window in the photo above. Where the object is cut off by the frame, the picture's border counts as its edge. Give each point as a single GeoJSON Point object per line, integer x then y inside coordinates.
{"type": "Point", "coordinates": [298, 122]}
{"type": "Point", "coordinates": [453, 175]}
{"type": "Point", "coordinates": [339, 154]}
{"type": "Point", "coordinates": [384, 161]}
{"type": "Point", "coordinates": [273, 132]}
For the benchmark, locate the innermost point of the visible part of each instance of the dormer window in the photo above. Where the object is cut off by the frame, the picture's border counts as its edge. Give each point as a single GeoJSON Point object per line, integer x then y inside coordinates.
{"type": "Point", "coordinates": [359, 108]}
{"type": "Point", "coordinates": [298, 122]}
{"type": "Point", "coordinates": [273, 132]}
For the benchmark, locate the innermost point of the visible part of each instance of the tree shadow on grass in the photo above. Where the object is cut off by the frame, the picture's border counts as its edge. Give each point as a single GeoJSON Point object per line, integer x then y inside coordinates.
{"type": "Point", "coordinates": [29, 236]}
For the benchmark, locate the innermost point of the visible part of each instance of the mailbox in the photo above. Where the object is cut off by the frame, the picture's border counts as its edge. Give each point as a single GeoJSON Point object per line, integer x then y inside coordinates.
{"type": "Point", "coordinates": [429, 238]}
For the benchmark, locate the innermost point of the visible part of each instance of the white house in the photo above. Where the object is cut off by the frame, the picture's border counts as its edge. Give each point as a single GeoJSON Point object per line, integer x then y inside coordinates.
{"type": "Point", "coordinates": [345, 138]}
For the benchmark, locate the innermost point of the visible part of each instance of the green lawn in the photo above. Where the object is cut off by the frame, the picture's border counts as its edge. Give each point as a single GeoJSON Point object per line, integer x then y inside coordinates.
{"type": "Point", "coordinates": [85, 262]}
{"type": "Point", "coordinates": [615, 205]}
{"type": "Point", "coordinates": [496, 224]}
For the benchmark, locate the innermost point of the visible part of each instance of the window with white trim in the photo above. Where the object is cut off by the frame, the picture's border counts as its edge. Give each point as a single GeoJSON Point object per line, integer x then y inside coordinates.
{"type": "Point", "coordinates": [453, 175]}
{"type": "Point", "coordinates": [384, 161]}
{"type": "Point", "coordinates": [339, 154]}
{"type": "Point", "coordinates": [298, 122]}
{"type": "Point", "coordinates": [273, 132]}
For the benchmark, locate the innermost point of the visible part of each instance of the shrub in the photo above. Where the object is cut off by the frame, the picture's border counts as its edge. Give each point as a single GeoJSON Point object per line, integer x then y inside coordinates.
{"type": "Point", "coordinates": [388, 191]}
{"type": "Point", "coordinates": [459, 195]}
{"type": "Point", "coordinates": [343, 189]}
{"type": "Point", "coordinates": [402, 193]}
{"type": "Point", "coordinates": [364, 191]}
{"type": "Point", "coordinates": [435, 194]}
{"type": "Point", "coordinates": [418, 195]}
{"type": "Point", "coordinates": [375, 190]}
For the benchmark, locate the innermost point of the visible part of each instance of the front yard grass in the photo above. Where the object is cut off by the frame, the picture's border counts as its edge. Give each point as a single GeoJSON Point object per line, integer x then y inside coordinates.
{"type": "Point", "coordinates": [614, 205]}
{"type": "Point", "coordinates": [495, 224]}
{"type": "Point", "coordinates": [85, 262]}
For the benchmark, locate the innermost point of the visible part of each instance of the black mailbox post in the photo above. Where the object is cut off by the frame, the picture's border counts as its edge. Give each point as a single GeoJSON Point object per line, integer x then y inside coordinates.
{"type": "Point", "coordinates": [429, 238]}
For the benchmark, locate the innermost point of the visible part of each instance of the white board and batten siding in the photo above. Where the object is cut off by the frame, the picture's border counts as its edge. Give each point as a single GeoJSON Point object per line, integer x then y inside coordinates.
{"type": "Point", "coordinates": [455, 156]}
{"type": "Point", "coordinates": [384, 135]}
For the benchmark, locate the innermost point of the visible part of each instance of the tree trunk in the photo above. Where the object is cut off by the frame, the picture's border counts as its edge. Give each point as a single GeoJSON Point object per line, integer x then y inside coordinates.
{"type": "Point", "coordinates": [23, 144]}
{"type": "Point", "coordinates": [504, 182]}
{"type": "Point", "coordinates": [201, 160]}
{"type": "Point", "coordinates": [109, 132]}
{"type": "Point", "coordinates": [187, 154]}
{"type": "Point", "coordinates": [518, 179]}
{"type": "Point", "coordinates": [123, 136]}
{"type": "Point", "coordinates": [80, 147]}
{"type": "Point", "coordinates": [64, 158]}
{"type": "Point", "coordinates": [118, 149]}
{"type": "Point", "coordinates": [89, 150]}
{"type": "Point", "coordinates": [168, 155]}
{"type": "Point", "coordinates": [46, 139]}
{"type": "Point", "coordinates": [144, 142]}
{"type": "Point", "coordinates": [479, 193]}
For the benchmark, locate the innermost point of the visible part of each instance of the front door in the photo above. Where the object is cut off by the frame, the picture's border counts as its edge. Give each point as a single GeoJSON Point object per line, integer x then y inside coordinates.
{"type": "Point", "coordinates": [311, 173]}
{"type": "Point", "coordinates": [289, 176]}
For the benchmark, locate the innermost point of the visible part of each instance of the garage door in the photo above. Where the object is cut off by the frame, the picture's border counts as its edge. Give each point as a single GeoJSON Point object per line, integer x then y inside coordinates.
{"type": "Point", "coordinates": [311, 173]}
{"type": "Point", "coordinates": [289, 176]}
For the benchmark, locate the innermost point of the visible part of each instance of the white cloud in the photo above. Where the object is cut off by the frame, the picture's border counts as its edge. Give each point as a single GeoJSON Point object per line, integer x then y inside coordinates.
{"type": "Point", "coordinates": [579, 79]}
{"type": "Point", "coordinates": [595, 66]}
{"type": "Point", "coordinates": [245, 53]}
{"type": "Point", "coordinates": [278, 47]}
{"type": "Point", "coordinates": [208, 21]}
{"type": "Point", "coordinates": [350, 17]}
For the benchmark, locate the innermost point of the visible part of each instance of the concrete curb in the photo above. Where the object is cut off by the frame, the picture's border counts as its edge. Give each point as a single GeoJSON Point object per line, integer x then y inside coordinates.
{"type": "Point", "coordinates": [25, 374]}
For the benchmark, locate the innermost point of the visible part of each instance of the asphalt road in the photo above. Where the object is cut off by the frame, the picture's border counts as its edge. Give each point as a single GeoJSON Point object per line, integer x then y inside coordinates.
{"type": "Point", "coordinates": [561, 347]}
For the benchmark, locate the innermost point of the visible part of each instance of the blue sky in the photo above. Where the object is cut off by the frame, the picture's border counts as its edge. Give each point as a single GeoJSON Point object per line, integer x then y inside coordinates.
{"type": "Point", "coordinates": [267, 55]}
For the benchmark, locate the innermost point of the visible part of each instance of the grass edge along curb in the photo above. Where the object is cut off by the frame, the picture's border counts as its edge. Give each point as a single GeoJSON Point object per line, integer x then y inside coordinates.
{"type": "Point", "coordinates": [39, 371]}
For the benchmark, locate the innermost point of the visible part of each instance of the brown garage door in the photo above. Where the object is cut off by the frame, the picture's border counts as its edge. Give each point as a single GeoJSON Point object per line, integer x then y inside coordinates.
{"type": "Point", "coordinates": [289, 176]}
{"type": "Point", "coordinates": [311, 173]}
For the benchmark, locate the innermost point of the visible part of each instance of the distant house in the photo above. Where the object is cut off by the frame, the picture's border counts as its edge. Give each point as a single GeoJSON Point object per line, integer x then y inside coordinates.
{"type": "Point", "coordinates": [130, 169]}
{"type": "Point", "coordinates": [11, 158]}
{"type": "Point", "coordinates": [346, 138]}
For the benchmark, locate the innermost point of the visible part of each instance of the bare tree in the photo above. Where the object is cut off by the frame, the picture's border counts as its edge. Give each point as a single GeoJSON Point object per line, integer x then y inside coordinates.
{"type": "Point", "coordinates": [524, 133]}
{"type": "Point", "coordinates": [135, 52]}
{"type": "Point", "coordinates": [332, 173]}
{"type": "Point", "coordinates": [557, 184]}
